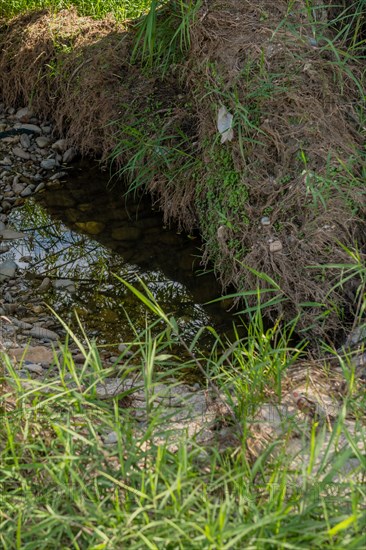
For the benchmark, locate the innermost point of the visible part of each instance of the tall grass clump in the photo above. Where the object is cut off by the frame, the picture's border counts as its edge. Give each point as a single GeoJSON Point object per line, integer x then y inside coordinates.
{"type": "Point", "coordinates": [66, 483]}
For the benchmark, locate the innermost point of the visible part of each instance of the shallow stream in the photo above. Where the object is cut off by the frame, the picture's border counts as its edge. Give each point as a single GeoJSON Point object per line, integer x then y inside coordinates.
{"type": "Point", "coordinates": [83, 233]}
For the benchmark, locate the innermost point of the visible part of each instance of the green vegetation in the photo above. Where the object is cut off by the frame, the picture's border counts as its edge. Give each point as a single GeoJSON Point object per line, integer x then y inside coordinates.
{"type": "Point", "coordinates": [64, 486]}
{"type": "Point", "coordinates": [120, 9]}
{"type": "Point", "coordinates": [296, 158]}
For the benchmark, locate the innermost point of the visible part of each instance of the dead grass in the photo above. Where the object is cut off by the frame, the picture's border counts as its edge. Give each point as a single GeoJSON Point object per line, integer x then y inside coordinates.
{"type": "Point", "coordinates": [294, 157]}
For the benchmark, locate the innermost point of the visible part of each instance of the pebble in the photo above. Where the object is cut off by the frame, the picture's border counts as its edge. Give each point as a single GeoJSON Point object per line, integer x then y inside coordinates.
{"type": "Point", "coordinates": [60, 146]}
{"type": "Point", "coordinates": [111, 438]}
{"type": "Point", "coordinates": [19, 152]}
{"type": "Point", "coordinates": [42, 141]}
{"type": "Point", "coordinates": [32, 127]}
{"type": "Point", "coordinates": [45, 285]}
{"type": "Point", "coordinates": [275, 246]}
{"type": "Point", "coordinates": [69, 155]}
{"type": "Point", "coordinates": [33, 367]}
{"type": "Point", "coordinates": [265, 221]}
{"type": "Point", "coordinates": [43, 333]}
{"type": "Point", "coordinates": [48, 164]}
{"type": "Point", "coordinates": [12, 235]}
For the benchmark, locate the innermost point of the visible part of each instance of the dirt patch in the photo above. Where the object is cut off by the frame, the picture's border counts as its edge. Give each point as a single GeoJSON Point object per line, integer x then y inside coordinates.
{"type": "Point", "coordinates": [283, 197]}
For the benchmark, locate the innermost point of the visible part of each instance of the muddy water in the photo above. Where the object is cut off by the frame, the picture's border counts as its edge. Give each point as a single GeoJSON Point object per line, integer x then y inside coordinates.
{"type": "Point", "coordinates": [82, 234]}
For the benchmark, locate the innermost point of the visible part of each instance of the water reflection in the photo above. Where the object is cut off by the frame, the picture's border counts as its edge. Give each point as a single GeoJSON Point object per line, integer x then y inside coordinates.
{"type": "Point", "coordinates": [84, 234]}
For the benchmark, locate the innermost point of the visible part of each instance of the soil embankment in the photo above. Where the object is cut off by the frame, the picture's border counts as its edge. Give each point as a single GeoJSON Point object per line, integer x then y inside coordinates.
{"type": "Point", "coordinates": [282, 195]}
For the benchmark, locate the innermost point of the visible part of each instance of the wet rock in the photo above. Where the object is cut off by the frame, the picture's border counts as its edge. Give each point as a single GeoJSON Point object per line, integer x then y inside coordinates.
{"type": "Point", "coordinates": [126, 233]}
{"type": "Point", "coordinates": [7, 270]}
{"type": "Point", "coordinates": [91, 227]}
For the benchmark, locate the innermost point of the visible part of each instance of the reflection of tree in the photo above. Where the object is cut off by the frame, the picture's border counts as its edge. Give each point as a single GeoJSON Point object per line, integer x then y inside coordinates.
{"type": "Point", "coordinates": [60, 253]}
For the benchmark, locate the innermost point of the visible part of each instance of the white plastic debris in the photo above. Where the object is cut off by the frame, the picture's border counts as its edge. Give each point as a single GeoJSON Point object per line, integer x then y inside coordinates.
{"type": "Point", "coordinates": [224, 124]}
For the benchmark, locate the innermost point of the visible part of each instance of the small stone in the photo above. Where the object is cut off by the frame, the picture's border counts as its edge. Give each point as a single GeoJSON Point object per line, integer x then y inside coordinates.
{"type": "Point", "coordinates": [45, 285]}
{"type": "Point", "coordinates": [4, 248]}
{"type": "Point", "coordinates": [23, 114]}
{"type": "Point", "coordinates": [19, 152]}
{"type": "Point", "coordinates": [31, 127]}
{"type": "Point", "coordinates": [265, 220]}
{"type": "Point", "coordinates": [275, 246]}
{"type": "Point", "coordinates": [40, 332]}
{"type": "Point", "coordinates": [11, 234]}
{"type": "Point", "coordinates": [42, 142]}
{"type": "Point", "coordinates": [69, 155]}
{"type": "Point", "coordinates": [48, 164]}
{"type": "Point", "coordinates": [60, 146]}
{"type": "Point", "coordinates": [91, 227]}
{"type": "Point", "coordinates": [111, 438]}
{"type": "Point", "coordinates": [6, 162]}
{"type": "Point", "coordinates": [65, 284]}
{"type": "Point", "coordinates": [27, 191]}
{"type": "Point", "coordinates": [39, 187]}
{"type": "Point", "coordinates": [18, 188]}
{"type": "Point", "coordinates": [33, 367]}
{"type": "Point", "coordinates": [7, 270]}
{"type": "Point", "coordinates": [58, 175]}
{"type": "Point", "coordinates": [25, 141]}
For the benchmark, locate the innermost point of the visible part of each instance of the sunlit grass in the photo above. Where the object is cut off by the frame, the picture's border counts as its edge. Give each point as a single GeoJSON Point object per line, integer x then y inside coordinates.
{"type": "Point", "coordinates": [120, 9]}
{"type": "Point", "coordinates": [64, 487]}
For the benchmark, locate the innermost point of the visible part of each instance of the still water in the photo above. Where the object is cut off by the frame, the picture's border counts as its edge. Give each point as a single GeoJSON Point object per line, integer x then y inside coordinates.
{"type": "Point", "coordinates": [82, 234]}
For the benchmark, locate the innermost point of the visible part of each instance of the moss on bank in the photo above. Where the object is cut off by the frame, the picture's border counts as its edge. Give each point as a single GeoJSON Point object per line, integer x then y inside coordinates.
{"type": "Point", "coordinates": [296, 157]}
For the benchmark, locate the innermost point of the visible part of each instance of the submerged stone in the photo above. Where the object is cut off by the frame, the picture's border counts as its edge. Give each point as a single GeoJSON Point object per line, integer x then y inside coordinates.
{"type": "Point", "coordinates": [92, 227]}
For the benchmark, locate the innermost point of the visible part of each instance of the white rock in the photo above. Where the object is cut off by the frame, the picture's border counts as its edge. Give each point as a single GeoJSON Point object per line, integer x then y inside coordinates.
{"type": "Point", "coordinates": [275, 246]}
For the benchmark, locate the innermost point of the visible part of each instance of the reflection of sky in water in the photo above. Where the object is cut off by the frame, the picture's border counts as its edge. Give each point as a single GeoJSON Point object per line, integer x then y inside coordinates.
{"type": "Point", "coordinates": [100, 299]}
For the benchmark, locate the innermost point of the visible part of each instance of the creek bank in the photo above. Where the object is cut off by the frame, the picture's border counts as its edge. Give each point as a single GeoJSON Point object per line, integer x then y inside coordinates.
{"type": "Point", "coordinates": [281, 198]}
